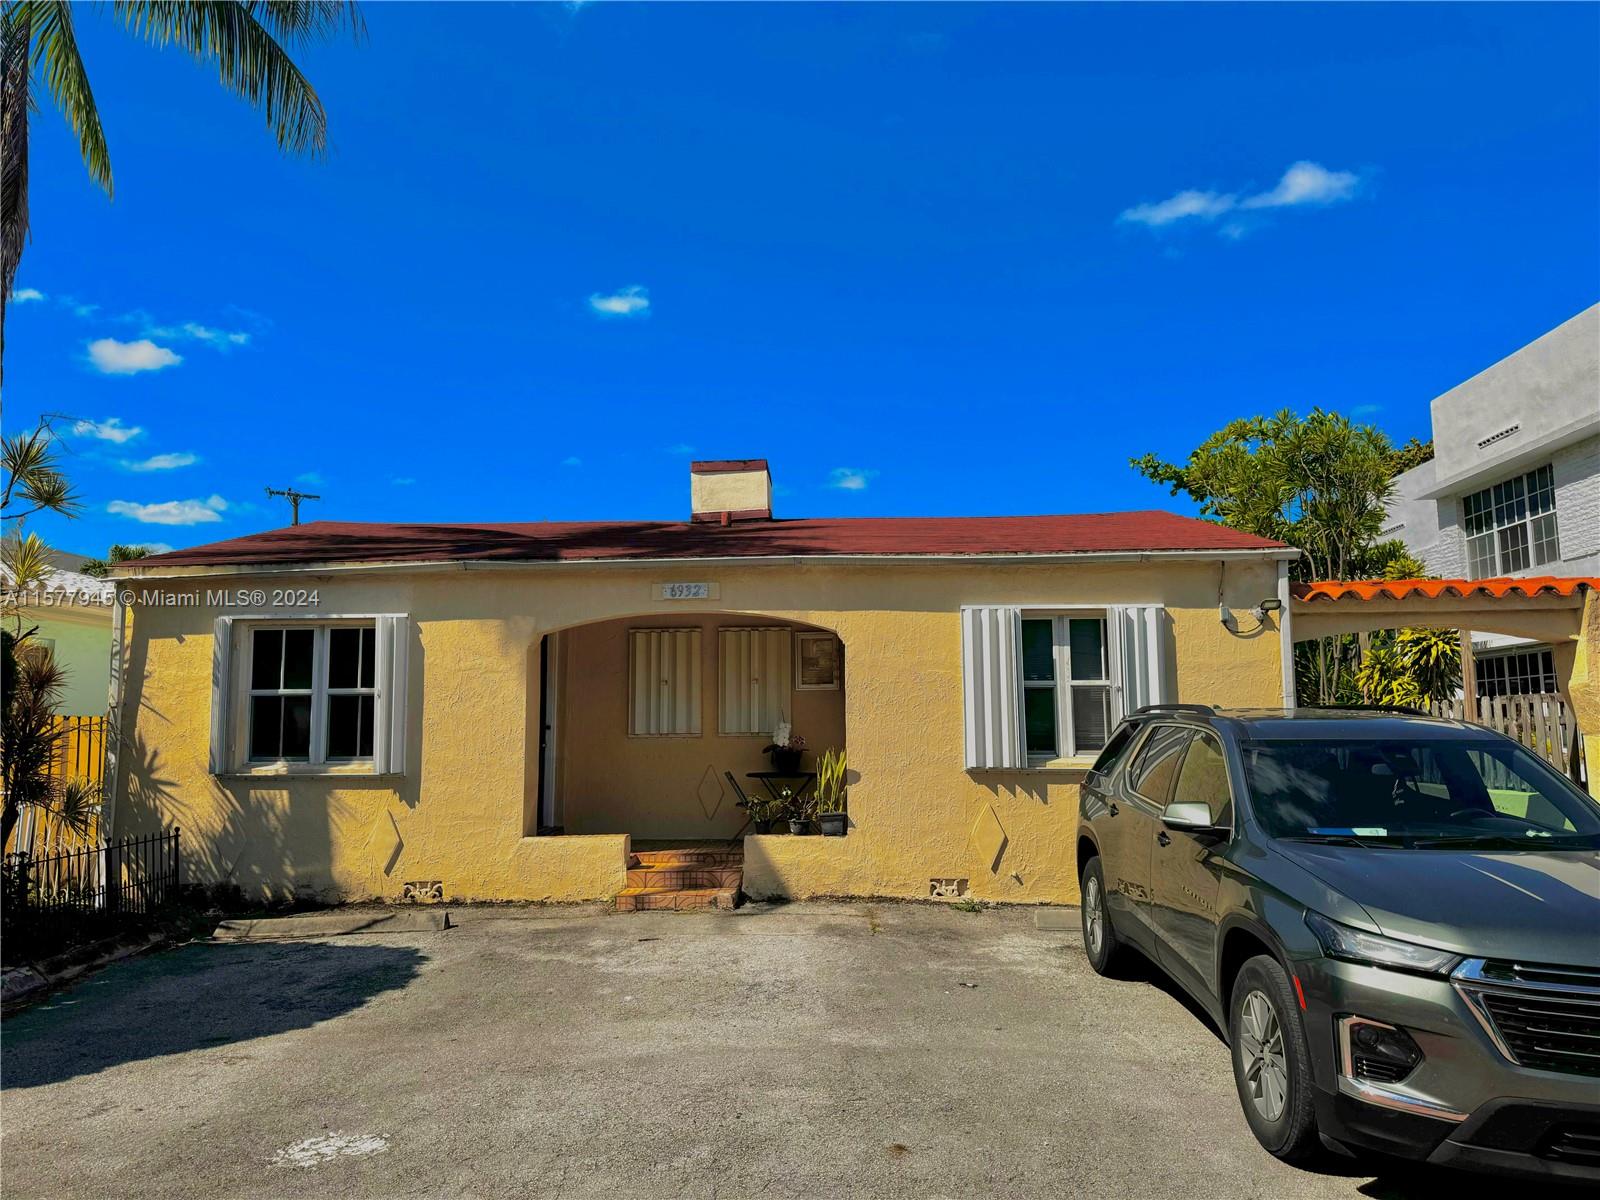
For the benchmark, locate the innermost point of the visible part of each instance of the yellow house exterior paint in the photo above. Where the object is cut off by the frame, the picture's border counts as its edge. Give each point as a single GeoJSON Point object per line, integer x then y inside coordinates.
{"type": "Point", "coordinates": [487, 653]}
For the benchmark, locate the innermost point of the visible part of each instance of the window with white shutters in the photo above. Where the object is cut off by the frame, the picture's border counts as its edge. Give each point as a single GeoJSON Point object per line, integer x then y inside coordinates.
{"type": "Point", "coordinates": [756, 666]}
{"type": "Point", "coordinates": [664, 682]}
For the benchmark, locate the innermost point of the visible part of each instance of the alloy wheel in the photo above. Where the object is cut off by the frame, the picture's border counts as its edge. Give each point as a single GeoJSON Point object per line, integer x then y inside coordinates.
{"type": "Point", "coordinates": [1261, 1045]}
{"type": "Point", "coordinates": [1093, 917]}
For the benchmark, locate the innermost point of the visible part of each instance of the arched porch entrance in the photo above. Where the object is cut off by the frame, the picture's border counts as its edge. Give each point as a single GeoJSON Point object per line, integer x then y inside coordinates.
{"type": "Point", "coordinates": [636, 723]}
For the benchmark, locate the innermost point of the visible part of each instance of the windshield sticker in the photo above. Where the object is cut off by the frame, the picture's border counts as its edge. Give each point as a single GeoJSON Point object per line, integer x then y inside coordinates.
{"type": "Point", "coordinates": [1339, 831]}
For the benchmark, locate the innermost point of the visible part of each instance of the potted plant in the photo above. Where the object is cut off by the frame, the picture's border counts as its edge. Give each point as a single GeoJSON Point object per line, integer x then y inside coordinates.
{"type": "Point", "coordinates": [802, 810]}
{"type": "Point", "coordinates": [785, 749]}
{"type": "Point", "coordinates": [830, 794]}
{"type": "Point", "coordinates": [765, 810]}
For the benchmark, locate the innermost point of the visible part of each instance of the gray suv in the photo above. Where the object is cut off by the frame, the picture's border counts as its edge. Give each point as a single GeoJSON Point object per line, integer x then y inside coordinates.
{"type": "Point", "coordinates": [1395, 919]}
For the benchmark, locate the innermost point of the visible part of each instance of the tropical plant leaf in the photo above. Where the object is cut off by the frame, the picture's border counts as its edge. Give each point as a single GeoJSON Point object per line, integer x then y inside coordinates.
{"type": "Point", "coordinates": [56, 58]}
{"type": "Point", "coordinates": [250, 62]}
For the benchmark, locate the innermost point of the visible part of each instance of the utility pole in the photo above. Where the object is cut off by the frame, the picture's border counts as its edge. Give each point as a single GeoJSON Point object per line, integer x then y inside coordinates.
{"type": "Point", "coordinates": [294, 499]}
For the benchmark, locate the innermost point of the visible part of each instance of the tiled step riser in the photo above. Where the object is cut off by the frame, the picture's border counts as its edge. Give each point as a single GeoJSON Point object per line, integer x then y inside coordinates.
{"type": "Point", "coordinates": [685, 877]}
{"type": "Point", "coordinates": [678, 901]}
{"type": "Point", "coordinates": [687, 858]}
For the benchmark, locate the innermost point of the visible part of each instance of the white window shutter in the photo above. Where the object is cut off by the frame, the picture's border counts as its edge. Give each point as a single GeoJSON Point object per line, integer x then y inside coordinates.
{"type": "Point", "coordinates": [991, 654]}
{"type": "Point", "coordinates": [221, 692]}
{"type": "Point", "coordinates": [1140, 670]}
{"type": "Point", "coordinates": [756, 667]}
{"type": "Point", "coordinates": [389, 715]}
{"type": "Point", "coordinates": [664, 682]}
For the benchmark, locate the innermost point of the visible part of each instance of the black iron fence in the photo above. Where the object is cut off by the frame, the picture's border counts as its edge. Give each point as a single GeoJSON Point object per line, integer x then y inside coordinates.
{"type": "Point", "coordinates": [133, 877]}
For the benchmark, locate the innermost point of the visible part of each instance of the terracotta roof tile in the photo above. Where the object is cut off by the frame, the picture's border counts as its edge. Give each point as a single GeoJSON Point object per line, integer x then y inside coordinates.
{"type": "Point", "coordinates": [566, 541]}
{"type": "Point", "coordinates": [1401, 589]}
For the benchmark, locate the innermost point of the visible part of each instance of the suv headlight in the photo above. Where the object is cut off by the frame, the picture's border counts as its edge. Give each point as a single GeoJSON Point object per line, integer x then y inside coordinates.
{"type": "Point", "coordinates": [1353, 945]}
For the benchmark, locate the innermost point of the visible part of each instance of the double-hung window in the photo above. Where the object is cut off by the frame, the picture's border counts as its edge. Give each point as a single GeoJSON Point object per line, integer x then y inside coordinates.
{"type": "Point", "coordinates": [1066, 685]}
{"type": "Point", "coordinates": [312, 693]}
{"type": "Point", "coordinates": [1511, 526]}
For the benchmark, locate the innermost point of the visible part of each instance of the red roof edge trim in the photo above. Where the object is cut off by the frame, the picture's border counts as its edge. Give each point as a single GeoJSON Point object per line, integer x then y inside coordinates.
{"type": "Point", "coordinates": [718, 466]}
{"type": "Point", "coordinates": [1432, 589]}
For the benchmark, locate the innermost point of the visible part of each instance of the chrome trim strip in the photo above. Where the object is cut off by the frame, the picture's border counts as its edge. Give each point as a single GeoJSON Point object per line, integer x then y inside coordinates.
{"type": "Point", "coordinates": [1384, 1098]}
{"type": "Point", "coordinates": [1472, 972]}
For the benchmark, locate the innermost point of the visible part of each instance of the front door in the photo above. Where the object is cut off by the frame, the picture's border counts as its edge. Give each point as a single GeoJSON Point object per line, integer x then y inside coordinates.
{"type": "Point", "coordinates": [1186, 870]}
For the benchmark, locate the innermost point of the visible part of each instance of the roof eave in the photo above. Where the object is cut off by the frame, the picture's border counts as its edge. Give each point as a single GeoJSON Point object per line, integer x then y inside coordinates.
{"type": "Point", "coordinates": [145, 569]}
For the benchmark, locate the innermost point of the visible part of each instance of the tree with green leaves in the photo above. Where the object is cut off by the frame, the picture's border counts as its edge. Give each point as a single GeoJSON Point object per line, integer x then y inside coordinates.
{"type": "Point", "coordinates": [32, 680]}
{"type": "Point", "coordinates": [249, 42]}
{"type": "Point", "coordinates": [1320, 483]}
{"type": "Point", "coordinates": [99, 568]}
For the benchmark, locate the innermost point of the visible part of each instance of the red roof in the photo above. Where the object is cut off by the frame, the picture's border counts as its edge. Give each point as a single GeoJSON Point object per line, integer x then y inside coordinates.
{"type": "Point", "coordinates": [1401, 589]}
{"type": "Point", "coordinates": [565, 541]}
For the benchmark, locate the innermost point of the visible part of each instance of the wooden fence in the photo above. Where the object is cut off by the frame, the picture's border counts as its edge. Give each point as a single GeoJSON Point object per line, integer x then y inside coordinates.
{"type": "Point", "coordinates": [80, 753]}
{"type": "Point", "coordinates": [1540, 721]}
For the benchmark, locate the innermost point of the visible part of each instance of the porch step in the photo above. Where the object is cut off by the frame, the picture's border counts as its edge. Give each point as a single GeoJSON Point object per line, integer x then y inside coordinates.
{"type": "Point", "coordinates": [640, 899]}
{"type": "Point", "coordinates": [683, 877]}
{"type": "Point", "coordinates": [677, 875]}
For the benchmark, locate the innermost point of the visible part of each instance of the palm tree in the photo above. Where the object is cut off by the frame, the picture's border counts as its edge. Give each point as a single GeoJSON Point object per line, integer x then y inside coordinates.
{"type": "Point", "coordinates": [247, 40]}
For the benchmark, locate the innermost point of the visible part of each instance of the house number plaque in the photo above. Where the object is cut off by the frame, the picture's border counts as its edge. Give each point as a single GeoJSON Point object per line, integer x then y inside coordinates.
{"type": "Point", "coordinates": [686, 591]}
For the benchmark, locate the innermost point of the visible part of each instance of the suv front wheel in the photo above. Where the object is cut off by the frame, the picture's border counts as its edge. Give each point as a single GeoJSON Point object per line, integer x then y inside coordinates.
{"type": "Point", "coordinates": [1271, 1061]}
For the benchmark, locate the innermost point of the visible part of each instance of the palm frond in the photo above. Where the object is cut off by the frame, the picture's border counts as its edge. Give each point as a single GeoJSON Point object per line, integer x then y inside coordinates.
{"type": "Point", "coordinates": [300, 21]}
{"type": "Point", "coordinates": [15, 105]}
{"type": "Point", "coordinates": [250, 62]}
{"type": "Point", "coordinates": [56, 58]}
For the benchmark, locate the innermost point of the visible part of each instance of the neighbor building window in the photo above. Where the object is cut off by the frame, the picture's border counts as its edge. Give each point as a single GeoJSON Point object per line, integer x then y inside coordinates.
{"type": "Point", "coordinates": [1522, 673]}
{"type": "Point", "coordinates": [1511, 526]}
{"type": "Point", "coordinates": [313, 693]}
{"type": "Point", "coordinates": [1066, 686]}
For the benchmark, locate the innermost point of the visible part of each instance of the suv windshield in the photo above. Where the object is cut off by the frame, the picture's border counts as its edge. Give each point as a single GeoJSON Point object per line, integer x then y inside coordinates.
{"type": "Point", "coordinates": [1417, 794]}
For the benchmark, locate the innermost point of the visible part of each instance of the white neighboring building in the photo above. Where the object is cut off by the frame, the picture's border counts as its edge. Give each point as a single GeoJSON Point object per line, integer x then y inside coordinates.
{"type": "Point", "coordinates": [1514, 485]}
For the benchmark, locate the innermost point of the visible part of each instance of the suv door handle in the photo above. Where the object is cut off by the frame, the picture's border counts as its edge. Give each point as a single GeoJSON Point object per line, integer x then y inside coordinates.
{"type": "Point", "coordinates": [1162, 839]}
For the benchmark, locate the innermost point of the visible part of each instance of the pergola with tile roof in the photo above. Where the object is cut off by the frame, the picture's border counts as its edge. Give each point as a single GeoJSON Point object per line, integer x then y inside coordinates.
{"type": "Point", "coordinates": [1562, 612]}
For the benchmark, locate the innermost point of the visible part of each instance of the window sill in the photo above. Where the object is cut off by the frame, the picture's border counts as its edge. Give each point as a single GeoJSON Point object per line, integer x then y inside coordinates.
{"type": "Point", "coordinates": [1062, 764]}
{"type": "Point", "coordinates": [306, 770]}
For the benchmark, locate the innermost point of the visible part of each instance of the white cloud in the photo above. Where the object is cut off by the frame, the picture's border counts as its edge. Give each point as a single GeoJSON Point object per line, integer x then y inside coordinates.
{"type": "Point", "coordinates": [572, 460]}
{"type": "Point", "coordinates": [111, 357]}
{"type": "Point", "coordinates": [26, 295]}
{"type": "Point", "coordinates": [1208, 206]}
{"type": "Point", "coordinates": [221, 339]}
{"type": "Point", "coordinates": [1307, 183]}
{"type": "Point", "coordinates": [681, 448]}
{"type": "Point", "coordinates": [851, 479]}
{"type": "Point", "coordinates": [171, 512]}
{"type": "Point", "coordinates": [628, 302]}
{"type": "Point", "coordinates": [78, 307]}
{"type": "Point", "coordinates": [309, 478]}
{"type": "Point", "coordinates": [1304, 183]}
{"type": "Point", "coordinates": [154, 547]}
{"type": "Point", "coordinates": [403, 480]}
{"type": "Point", "coordinates": [1366, 410]}
{"type": "Point", "coordinates": [162, 462]}
{"type": "Point", "coordinates": [110, 430]}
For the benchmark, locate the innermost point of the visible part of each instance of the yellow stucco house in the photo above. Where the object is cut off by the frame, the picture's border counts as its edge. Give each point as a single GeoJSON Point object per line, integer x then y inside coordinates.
{"type": "Point", "coordinates": [516, 711]}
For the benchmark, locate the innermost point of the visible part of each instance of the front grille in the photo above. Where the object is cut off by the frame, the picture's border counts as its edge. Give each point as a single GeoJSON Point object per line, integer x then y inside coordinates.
{"type": "Point", "coordinates": [1574, 1144]}
{"type": "Point", "coordinates": [1546, 1017]}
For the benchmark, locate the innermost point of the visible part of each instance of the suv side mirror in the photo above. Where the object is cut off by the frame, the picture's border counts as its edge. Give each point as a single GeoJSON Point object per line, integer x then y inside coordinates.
{"type": "Point", "coordinates": [1188, 815]}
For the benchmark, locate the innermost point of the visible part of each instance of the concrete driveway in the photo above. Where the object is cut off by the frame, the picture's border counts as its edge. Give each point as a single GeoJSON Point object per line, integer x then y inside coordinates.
{"type": "Point", "coordinates": [809, 1050]}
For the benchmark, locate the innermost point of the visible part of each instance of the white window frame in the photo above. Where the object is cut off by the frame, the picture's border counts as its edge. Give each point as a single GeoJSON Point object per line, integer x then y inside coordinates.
{"type": "Point", "coordinates": [1063, 684]}
{"type": "Point", "coordinates": [1497, 498]}
{"type": "Point", "coordinates": [243, 693]}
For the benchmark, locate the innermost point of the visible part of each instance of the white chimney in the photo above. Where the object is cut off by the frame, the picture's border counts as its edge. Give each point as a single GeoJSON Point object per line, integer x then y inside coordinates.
{"type": "Point", "coordinates": [727, 490]}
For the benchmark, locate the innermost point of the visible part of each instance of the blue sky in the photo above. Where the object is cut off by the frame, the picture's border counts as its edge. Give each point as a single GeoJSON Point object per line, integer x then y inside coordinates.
{"type": "Point", "coordinates": [956, 259]}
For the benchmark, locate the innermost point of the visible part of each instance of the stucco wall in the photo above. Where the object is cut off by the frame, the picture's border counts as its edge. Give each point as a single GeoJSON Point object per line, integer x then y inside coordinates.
{"type": "Point", "coordinates": [83, 650]}
{"type": "Point", "coordinates": [458, 813]}
{"type": "Point", "coordinates": [661, 787]}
